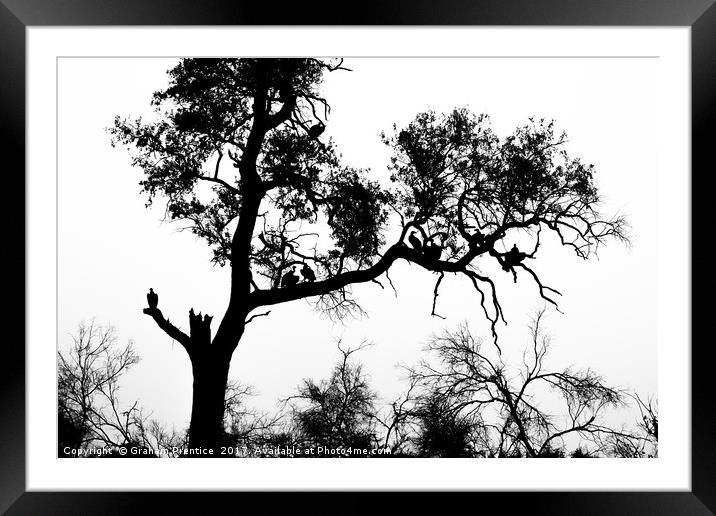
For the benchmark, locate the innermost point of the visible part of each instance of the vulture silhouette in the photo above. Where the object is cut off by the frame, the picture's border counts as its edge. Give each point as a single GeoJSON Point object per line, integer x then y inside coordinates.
{"type": "Point", "coordinates": [415, 242]}
{"type": "Point", "coordinates": [152, 298]}
{"type": "Point", "coordinates": [308, 273]}
{"type": "Point", "coordinates": [433, 250]}
{"type": "Point", "coordinates": [513, 257]}
{"type": "Point", "coordinates": [316, 130]}
{"type": "Point", "coordinates": [290, 278]}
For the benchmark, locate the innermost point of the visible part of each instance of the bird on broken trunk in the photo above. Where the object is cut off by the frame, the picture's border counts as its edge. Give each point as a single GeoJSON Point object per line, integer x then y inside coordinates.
{"type": "Point", "coordinates": [152, 298]}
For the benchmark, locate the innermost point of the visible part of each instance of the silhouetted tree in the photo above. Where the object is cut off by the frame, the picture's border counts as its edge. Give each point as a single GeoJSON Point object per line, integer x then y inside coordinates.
{"type": "Point", "coordinates": [91, 413]}
{"type": "Point", "coordinates": [580, 453]}
{"type": "Point", "coordinates": [502, 406]}
{"type": "Point", "coordinates": [237, 152]}
{"type": "Point", "coordinates": [641, 442]}
{"type": "Point", "coordinates": [245, 428]}
{"type": "Point", "coordinates": [397, 425]}
{"type": "Point", "coordinates": [338, 412]}
{"type": "Point", "coordinates": [71, 429]}
{"type": "Point", "coordinates": [443, 431]}
{"type": "Point", "coordinates": [649, 423]}
{"type": "Point", "coordinates": [88, 384]}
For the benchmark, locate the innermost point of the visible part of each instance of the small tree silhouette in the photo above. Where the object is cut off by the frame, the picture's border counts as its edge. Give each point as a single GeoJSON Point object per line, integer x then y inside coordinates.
{"type": "Point", "coordinates": [238, 151]}
{"type": "Point", "coordinates": [88, 383]}
{"type": "Point", "coordinates": [245, 428]}
{"type": "Point", "coordinates": [339, 412]}
{"type": "Point", "coordinates": [89, 409]}
{"type": "Point", "coordinates": [644, 442]}
{"type": "Point", "coordinates": [443, 431]}
{"type": "Point", "coordinates": [502, 406]}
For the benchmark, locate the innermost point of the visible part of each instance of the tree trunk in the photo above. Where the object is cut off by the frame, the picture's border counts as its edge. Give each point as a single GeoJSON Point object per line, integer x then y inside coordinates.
{"type": "Point", "coordinates": [210, 361]}
{"type": "Point", "coordinates": [206, 430]}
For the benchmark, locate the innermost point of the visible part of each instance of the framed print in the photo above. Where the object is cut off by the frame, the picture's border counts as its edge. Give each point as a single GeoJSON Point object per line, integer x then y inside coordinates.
{"type": "Point", "coordinates": [459, 239]}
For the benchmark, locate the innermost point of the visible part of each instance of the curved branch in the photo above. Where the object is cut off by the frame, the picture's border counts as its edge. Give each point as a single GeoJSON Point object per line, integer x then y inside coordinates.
{"type": "Point", "coordinates": [263, 314]}
{"type": "Point", "coordinates": [171, 330]}
{"type": "Point", "coordinates": [436, 294]}
{"type": "Point", "coordinates": [324, 287]}
{"type": "Point", "coordinates": [221, 182]}
{"type": "Point", "coordinates": [542, 288]}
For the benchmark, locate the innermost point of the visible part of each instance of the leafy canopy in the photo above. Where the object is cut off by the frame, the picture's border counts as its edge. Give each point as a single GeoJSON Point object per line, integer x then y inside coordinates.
{"type": "Point", "coordinates": [241, 140]}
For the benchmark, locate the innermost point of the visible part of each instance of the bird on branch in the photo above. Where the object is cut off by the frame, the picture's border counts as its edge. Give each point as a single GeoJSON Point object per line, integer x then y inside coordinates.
{"type": "Point", "coordinates": [308, 273]}
{"type": "Point", "coordinates": [513, 257]}
{"type": "Point", "coordinates": [415, 241]}
{"type": "Point", "coordinates": [316, 130]}
{"type": "Point", "coordinates": [433, 250]}
{"type": "Point", "coordinates": [152, 298]}
{"type": "Point", "coordinates": [290, 278]}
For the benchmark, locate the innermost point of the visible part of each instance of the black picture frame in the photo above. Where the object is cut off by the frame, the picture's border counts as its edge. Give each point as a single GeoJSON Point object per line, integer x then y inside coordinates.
{"type": "Point", "coordinates": [700, 15]}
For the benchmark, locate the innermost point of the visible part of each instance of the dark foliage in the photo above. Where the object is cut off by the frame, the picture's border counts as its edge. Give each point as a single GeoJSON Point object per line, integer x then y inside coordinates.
{"type": "Point", "coordinates": [239, 150]}
{"type": "Point", "coordinates": [338, 412]}
{"type": "Point", "coordinates": [441, 431]}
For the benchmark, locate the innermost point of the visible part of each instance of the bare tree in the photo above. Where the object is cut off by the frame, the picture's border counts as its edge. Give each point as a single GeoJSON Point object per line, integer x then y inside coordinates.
{"type": "Point", "coordinates": [639, 442]}
{"type": "Point", "coordinates": [649, 424]}
{"type": "Point", "coordinates": [443, 431]}
{"type": "Point", "coordinates": [503, 406]}
{"type": "Point", "coordinates": [246, 429]}
{"type": "Point", "coordinates": [339, 412]}
{"type": "Point", "coordinates": [152, 438]}
{"type": "Point", "coordinates": [88, 385]}
{"type": "Point", "coordinates": [91, 413]}
{"type": "Point", "coordinates": [397, 424]}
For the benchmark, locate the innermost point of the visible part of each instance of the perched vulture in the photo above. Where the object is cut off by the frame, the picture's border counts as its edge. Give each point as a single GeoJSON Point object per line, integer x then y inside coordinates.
{"type": "Point", "coordinates": [152, 298]}
{"type": "Point", "coordinates": [316, 130]}
{"type": "Point", "coordinates": [290, 278]}
{"type": "Point", "coordinates": [308, 273]}
{"type": "Point", "coordinates": [415, 242]}
{"type": "Point", "coordinates": [433, 251]}
{"type": "Point", "coordinates": [513, 257]}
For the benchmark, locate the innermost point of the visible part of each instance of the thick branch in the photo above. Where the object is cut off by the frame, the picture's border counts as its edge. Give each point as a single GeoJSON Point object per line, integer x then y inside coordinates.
{"type": "Point", "coordinates": [324, 287]}
{"type": "Point", "coordinates": [171, 330]}
{"type": "Point", "coordinates": [319, 288]}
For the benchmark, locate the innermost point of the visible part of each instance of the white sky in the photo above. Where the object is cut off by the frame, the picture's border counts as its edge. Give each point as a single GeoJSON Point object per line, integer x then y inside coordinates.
{"type": "Point", "coordinates": [112, 249]}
